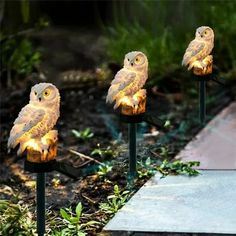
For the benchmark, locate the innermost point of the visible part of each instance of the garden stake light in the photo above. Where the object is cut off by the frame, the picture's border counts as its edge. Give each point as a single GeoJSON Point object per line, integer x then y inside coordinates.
{"type": "Point", "coordinates": [127, 92]}
{"type": "Point", "coordinates": [32, 130]}
{"type": "Point", "coordinates": [197, 57]}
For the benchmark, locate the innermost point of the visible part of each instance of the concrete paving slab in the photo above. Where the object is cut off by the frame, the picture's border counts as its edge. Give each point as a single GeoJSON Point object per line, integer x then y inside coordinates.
{"type": "Point", "coordinates": [215, 145]}
{"type": "Point", "coordinates": [180, 204]}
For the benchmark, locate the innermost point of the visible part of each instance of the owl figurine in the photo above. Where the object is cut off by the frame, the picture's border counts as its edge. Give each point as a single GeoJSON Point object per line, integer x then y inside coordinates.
{"type": "Point", "coordinates": [36, 119]}
{"type": "Point", "coordinates": [197, 55]}
{"type": "Point", "coordinates": [128, 82]}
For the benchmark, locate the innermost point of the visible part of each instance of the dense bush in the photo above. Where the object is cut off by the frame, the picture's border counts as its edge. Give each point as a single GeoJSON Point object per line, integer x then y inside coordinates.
{"type": "Point", "coordinates": [162, 29]}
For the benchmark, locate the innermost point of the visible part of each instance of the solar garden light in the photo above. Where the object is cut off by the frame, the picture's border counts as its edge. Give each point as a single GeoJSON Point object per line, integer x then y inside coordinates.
{"type": "Point", "coordinates": [32, 131]}
{"type": "Point", "coordinates": [127, 92]}
{"type": "Point", "coordinates": [198, 59]}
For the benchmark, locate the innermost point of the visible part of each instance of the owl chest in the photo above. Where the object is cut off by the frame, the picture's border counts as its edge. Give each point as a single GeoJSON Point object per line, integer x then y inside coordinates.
{"type": "Point", "coordinates": [136, 85]}
{"type": "Point", "coordinates": [45, 125]}
{"type": "Point", "coordinates": [51, 118]}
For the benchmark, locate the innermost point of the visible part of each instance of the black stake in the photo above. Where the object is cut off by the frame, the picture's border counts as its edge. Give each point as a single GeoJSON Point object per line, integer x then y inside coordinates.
{"type": "Point", "coordinates": [132, 152]}
{"type": "Point", "coordinates": [202, 102]}
{"type": "Point", "coordinates": [132, 126]}
{"type": "Point", "coordinates": [41, 204]}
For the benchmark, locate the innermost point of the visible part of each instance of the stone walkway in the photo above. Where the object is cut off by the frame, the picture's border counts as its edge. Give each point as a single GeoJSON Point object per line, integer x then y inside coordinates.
{"type": "Point", "coordinates": [215, 145]}
{"type": "Point", "coordinates": [180, 205]}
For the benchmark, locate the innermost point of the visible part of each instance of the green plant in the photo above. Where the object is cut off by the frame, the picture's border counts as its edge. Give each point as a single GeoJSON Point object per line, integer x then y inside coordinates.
{"type": "Point", "coordinates": [18, 56]}
{"type": "Point", "coordinates": [146, 169]}
{"type": "Point", "coordinates": [102, 152]}
{"type": "Point", "coordinates": [179, 167]}
{"type": "Point", "coordinates": [83, 134]}
{"type": "Point", "coordinates": [104, 169]}
{"type": "Point", "coordinates": [115, 201]}
{"type": "Point", "coordinates": [164, 151]}
{"type": "Point", "coordinates": [16, 219]}
{"type": "Point", "coordinates": [164, 38]}
{"type": "Point", "coordinates": [149, 34]}
{"type": "Point", "coordinates": [73, 225]}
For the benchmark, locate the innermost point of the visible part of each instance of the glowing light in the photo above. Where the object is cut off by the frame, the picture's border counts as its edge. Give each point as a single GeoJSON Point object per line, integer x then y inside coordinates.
{"type": "Point", "coordinates": [32, 144]}
{"type": "Point", "coordinates": [126, 101]}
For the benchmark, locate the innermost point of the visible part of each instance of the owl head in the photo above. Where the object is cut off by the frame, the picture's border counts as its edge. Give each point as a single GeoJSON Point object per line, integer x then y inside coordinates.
{"type": "Point", "coordinates": [205, 33]}
{"type": "Point", "coordinates": [44, 94]}
{"type": "Point", "coordinates": [136, 61]}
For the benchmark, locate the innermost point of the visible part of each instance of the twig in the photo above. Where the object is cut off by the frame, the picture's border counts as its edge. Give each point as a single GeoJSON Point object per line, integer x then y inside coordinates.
{"type": "Point", "coordinates": [83, 164]}
{"type": "Point", "coordinates": [84, 156]}
{"type": "Point", "coordinates": [155, 154]}
{"type": "Point", "coordinates": [88, 199]}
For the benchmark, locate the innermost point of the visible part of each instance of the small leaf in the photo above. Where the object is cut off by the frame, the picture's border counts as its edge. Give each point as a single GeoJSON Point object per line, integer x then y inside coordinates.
{"type": "Point", "coordinates": [92, 222]}
{"type": "Point", "coordinates": [64, 214]}
{"type": "Point", "coordinates": [81, 234]}
{"type": "Point", "coordinates": [116, 189]}
{"type": "Point", "coordinates": [148, 161]}
{"type": "Point", "coordinates": [78, 210]}
{"type": "Point", "coordinates": [76, 133]}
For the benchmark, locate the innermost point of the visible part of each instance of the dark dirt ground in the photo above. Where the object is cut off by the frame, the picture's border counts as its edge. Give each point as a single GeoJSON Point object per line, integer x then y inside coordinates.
{"type": "Point", "coordinates": [83, 105]}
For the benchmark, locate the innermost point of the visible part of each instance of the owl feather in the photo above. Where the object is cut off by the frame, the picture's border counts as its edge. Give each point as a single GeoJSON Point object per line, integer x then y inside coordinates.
{"type": "Point", "coordinates": [22, 124]}
{"type": "Point", "coordinates": [122, 80]}
{"type": "Point", "coordinates": [193, 52]}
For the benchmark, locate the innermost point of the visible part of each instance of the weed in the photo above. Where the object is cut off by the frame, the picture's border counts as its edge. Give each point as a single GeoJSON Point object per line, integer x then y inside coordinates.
{"type": "Point", "coordinates": [164, 151]}
{"type": "Point", "coordinates": [15, 219]}
{"type": "Point", "coordinates": [104, 169]}
{"type": "Point", "coordinates": [146, 169]}
{"type": "Point", "coordinates": [179, 167]}
{"type": "Point", "coordinates": [72, 222]}
{"type": "Point", "coordinates": [101, 152]}
{"type": "Point", "coordinates": [115, 201]}
{"type": "Point", "coordinates": [84, 134]}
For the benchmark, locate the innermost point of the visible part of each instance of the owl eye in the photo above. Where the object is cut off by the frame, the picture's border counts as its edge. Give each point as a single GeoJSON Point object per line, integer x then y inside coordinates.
{"type": "Point", "coordinates": [128, 59]}
{"type": "Point", "coordinates": [205, 32]}
{"type": "Point", "coordinates": [35, 93]}
{"type": "Point", "coordinates": [137, 60]}
{"type": "Point", "coordinates": [46, 93]}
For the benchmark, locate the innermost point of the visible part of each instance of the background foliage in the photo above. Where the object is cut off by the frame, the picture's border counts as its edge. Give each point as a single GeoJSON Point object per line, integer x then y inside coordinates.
{"type": "Point", "coordinates": [163, 29]}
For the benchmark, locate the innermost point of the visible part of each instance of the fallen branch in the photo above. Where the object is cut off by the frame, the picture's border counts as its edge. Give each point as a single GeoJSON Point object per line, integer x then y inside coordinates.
{"type": "Point", "coordinates": [84, 156]}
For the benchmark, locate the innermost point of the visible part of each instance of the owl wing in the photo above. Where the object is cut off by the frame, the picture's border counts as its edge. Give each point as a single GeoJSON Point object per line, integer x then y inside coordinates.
{"type": "Point", "coordinates": [193, 52]}
{"type": "Point", "coordinates": [123, 79]}
{"type": "Point", "coordinates": [28, 118]}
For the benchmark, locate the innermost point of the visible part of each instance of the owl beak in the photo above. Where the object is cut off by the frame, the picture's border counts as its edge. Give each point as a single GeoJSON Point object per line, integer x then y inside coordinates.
{"type": "Point", "coordinates": [40, 99]}
{"type": "Point", "coordinates": [131, 63]}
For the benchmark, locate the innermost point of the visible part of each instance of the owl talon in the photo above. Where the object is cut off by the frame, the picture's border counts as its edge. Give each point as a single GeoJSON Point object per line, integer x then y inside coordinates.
{"type": "Point", "coordinates": [44, 154]}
